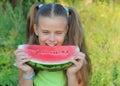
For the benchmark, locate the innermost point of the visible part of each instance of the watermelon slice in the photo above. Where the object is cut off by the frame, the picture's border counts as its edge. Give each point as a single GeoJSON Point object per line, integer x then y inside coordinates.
{"type": "Point", "coordinates": [50, 57]}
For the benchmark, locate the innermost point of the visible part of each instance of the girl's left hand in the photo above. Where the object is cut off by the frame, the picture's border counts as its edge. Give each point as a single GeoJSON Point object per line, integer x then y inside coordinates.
{"type": "Point", "coordinates": [78, 62]}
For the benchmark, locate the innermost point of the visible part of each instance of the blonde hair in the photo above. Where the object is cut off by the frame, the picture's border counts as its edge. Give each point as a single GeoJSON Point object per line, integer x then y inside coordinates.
{"type": "Point", "coordinates": [75, 34]}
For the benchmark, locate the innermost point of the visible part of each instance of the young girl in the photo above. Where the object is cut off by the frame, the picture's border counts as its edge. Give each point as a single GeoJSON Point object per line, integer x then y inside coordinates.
{"type": "Point", "coordinates": [54, 25]}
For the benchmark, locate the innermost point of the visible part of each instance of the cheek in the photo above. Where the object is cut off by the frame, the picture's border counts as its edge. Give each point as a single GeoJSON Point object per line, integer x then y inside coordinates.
{"type": "Point", "coordinates": [61, 39]}
{"type": "Point", "coordinates": [42, 39]}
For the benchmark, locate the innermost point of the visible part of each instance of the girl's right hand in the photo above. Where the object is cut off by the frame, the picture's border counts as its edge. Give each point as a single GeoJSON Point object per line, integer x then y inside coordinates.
{"type": "Point", "coordinates": [21, 59]}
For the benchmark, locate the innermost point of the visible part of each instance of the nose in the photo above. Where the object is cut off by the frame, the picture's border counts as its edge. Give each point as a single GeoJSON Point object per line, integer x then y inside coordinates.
{"type": "Point", "coordinates": [52, 37]}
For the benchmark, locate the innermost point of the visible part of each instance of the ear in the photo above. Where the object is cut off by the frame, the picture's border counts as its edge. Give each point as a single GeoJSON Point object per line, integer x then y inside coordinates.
{"type": "Point", "coordinates": [35, 29]}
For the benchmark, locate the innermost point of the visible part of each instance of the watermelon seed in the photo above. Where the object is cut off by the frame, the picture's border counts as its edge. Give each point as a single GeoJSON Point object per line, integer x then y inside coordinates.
{"type": "Point", "coordinates": [56, 52]}
{"type": "Point", "coordinates": [63, 51]}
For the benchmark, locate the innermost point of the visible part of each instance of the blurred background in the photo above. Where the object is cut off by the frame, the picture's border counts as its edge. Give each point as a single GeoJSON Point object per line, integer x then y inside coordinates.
{"type": "Point", "coordinates": [101, 23]}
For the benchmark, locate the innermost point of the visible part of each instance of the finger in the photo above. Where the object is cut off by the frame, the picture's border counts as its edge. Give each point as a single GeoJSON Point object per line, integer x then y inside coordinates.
{"type": "Point", "coordinates": [20, 58]}
{"type": "Point", "coordinates": [73, 61]}
{"type": "Point", "coordinates": [84, 57]}
{"type": "Point", "coordinates": [81, 59]}
{"type": "Point", "coordinates": [20, 52]}
{"type": "Point", "coordinates": [22, 55]}
{"type": "Point", "coordinates": [76, 63]}
{"type": "Point", "coordinates": [77, 66]}
{"type": "Point", "coordinates": [81, 54]}
{"type": "Point", "coordinates": [22, 62]}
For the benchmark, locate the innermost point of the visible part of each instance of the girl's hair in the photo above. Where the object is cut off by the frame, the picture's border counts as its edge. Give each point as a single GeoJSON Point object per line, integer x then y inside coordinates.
{"type": "Point", "coordinates": [74, 35]}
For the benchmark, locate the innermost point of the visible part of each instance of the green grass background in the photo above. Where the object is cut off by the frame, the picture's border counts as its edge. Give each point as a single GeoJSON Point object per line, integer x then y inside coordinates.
{"type": "Point", "coordinates": [101, 23]}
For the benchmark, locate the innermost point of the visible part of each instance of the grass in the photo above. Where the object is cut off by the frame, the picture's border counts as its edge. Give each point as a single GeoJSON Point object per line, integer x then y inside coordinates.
{"type": "Point", "coordinates": [101, 23]}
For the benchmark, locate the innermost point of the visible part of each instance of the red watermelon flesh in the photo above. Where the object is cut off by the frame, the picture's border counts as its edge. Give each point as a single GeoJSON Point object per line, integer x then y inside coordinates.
{"type": "Point", "coordinates": [50, 54]}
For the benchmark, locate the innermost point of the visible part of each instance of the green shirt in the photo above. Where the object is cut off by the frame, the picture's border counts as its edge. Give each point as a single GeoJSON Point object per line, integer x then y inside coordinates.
{"type": "Point", "coordinates": [46, 78]}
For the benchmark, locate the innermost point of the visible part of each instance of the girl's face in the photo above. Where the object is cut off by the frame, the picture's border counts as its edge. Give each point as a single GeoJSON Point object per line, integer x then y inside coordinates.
{"type": "Point", "coordinates": [51, 31]}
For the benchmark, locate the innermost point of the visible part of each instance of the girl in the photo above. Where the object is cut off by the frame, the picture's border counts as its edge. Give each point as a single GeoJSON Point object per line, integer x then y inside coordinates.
{"type": "Point", "coordinates": [54, 25]}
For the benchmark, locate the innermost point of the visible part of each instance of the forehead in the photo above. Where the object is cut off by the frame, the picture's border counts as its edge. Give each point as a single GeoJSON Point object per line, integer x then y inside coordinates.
{"type": "Point", "coordinates": [58, 20]}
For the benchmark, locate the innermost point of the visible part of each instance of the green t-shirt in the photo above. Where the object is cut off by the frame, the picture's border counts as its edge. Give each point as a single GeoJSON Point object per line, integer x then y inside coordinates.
{"type": "Point", "coordinates": [46, 78]}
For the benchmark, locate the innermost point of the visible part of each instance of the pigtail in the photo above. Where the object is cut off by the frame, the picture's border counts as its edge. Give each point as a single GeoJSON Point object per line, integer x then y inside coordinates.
{"type": "Point", "coordinates": [77, 38]}
{"type": "Point", "coordinates": [75, 28]}
{"type": "Point", "coordinates": [30, 35]}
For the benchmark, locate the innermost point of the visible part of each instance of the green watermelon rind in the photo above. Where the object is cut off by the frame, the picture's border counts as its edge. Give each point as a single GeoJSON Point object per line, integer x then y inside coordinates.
{"type": "Point", "coordinates": [53, 67]}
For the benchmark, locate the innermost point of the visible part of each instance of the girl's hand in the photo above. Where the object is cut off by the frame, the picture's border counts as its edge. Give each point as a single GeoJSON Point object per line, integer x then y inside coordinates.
{"type": "Point", "coordinates": [21, 59]}
{"type": "Point", "coordinates": [78, 62]}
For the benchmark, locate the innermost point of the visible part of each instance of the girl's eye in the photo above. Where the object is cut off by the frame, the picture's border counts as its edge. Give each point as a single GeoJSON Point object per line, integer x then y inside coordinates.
{"type": "Point", "coordinates": [59, 32]}
{"type": "Point", "coordinates": [45, 32]}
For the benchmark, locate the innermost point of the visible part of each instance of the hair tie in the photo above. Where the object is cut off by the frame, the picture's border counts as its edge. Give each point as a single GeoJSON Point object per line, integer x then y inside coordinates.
{"type": "Point", "coordinates": [67, 9]}
{"type": "Point", "coordinates": [40, 5]}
